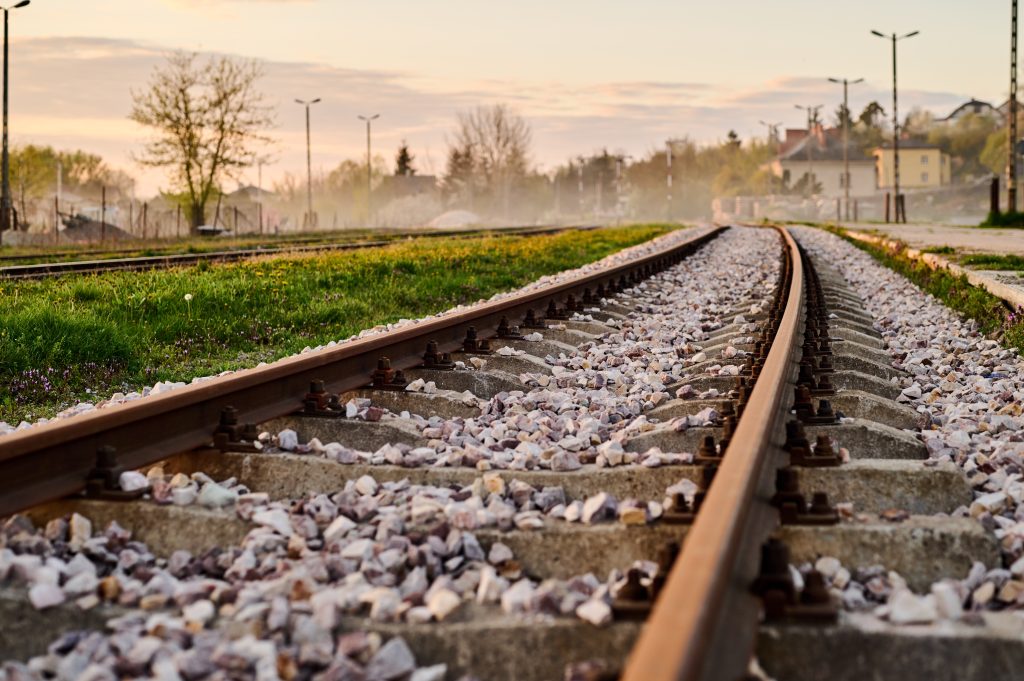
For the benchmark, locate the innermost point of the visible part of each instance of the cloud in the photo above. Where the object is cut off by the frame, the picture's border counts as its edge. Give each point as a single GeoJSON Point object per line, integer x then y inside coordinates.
{"type": "Point", "coordinates": [75, 92]}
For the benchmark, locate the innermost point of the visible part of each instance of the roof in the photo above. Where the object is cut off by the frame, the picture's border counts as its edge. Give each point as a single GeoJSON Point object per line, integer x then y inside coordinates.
{"type": "Point", "coordinates": [832, 150]}
{"type": "Point", "coordinates": [970, 106]}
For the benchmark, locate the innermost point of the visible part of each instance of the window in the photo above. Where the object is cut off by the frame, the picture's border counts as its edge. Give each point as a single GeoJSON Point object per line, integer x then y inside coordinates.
{"type": "Point", "coordinates": [924, 177]}
{"type": "Point", "coordinates": [924, 159]}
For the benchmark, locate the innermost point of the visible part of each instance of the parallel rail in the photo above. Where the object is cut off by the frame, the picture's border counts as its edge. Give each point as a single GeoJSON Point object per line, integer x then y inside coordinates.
{"type": "Point", "coordinates": [53, 460]}
{"type": "Point", "coordinates": [704, 624]}
{"type": "Point", "coordinates": [53, 269]}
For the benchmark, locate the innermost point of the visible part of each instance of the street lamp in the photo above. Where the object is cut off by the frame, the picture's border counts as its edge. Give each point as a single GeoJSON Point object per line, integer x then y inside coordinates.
{"type": "Point", "coordinates": [310, 219]}
{"type": "Point", "coordinates": [6, 207]}
{"type": "Point", "coordinates": [900, 208]}
{"type": "Point", "coordinates": [812, 113]}
{"type": "Point", "coordinates": [773, 131]}
{"type": "Point", "coordinates": [369, 166]}
{"type": "Point", "coordinates": [846, 137]}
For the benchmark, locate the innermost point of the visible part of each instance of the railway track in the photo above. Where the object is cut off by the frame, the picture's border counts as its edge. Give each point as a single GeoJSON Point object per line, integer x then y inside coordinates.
{"type": "Point", "coordinates": [152, 262]}
{"type": "Point", "coordinates": [466, 512]}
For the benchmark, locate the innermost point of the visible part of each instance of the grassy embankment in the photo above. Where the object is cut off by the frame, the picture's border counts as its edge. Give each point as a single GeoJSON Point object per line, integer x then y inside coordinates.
{"type": "Point", "coordinates": [60, 338]}
{"type": "Point", "coordinates": [69, 251]}
{"type": "Point", "coordinates": [993, 316]}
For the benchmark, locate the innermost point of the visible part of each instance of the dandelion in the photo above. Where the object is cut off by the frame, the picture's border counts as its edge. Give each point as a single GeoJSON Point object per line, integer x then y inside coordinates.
{"type": "Point", "coordinates": [188, 302]}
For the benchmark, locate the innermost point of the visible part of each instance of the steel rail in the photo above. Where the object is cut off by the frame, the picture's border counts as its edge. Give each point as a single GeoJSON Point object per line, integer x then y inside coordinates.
{"type": "Point", "coordinates": [149, 262]}
{"type": "Point", "coordinates": [53, 460]}
{"type": "Point", "coordinates": [704, 623]}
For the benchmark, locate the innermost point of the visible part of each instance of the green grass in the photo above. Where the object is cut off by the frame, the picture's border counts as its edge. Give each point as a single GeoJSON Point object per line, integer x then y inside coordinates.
{"type": "Point", "coordinates": [121, 330]}
{"type": "Point", "coordinates": [1013, 219]}
{"type": "Point", "coordinates": [939, 250]}
{"type": "Point", "coordinates": [994, 317]}
{"type": "Point", "coordinates": [988, 261]}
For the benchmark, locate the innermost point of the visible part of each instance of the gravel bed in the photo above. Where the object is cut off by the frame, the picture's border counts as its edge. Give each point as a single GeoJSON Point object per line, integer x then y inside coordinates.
{"type": "Point", "coordinates": [392, 551]}
{"type": "Point", "coordinates": [598, 396]}
{"type": "Point", "coordinates": [615, 259]}
{"type": "Point", "coordinates": [970, 389]}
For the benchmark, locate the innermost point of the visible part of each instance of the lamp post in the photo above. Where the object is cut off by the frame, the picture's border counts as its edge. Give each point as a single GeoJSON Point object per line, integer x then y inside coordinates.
{"type": "Point", "coordinates": [900, 209]}
{"type": "Point", "coordinates": [369, 167]}
{"type": "Point", "coordinates": [310, 220]}
{"type": "Point", "coordinates": [1011, 119]}
{"type": "Point", "coordinates": [668, 179]}
{"type": "Point", "coordinates": [773, 132]}
{"type": "Point", "coordinates": [846, 137]}
{"type": "Point", "coordinates": [6, 207]}
{"type": "Point", "coordinates": [812, 113]}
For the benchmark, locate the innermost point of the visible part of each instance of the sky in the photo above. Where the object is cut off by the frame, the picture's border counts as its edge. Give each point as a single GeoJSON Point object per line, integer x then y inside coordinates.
{"type": "Point", "coordinates": [586, 74]}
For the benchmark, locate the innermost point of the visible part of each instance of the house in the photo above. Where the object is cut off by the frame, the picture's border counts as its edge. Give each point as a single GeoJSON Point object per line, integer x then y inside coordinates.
{"type": "Point", "coordinates": [821, 156]}
{"type": "Point", "coordinates": [922, 166]}
{"type": "Point", "coordinates": [972, 106]}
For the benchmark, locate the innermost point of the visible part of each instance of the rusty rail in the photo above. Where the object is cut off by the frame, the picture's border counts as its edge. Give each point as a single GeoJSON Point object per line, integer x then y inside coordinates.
{"type": "Point", "coordinates": [704, 623]}
{"type": "Point", "coordinates": [53, 460]}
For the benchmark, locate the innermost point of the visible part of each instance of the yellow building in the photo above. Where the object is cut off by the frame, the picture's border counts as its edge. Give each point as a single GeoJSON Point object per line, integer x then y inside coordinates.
{"type": "Point", "coordinates": [922, 166]}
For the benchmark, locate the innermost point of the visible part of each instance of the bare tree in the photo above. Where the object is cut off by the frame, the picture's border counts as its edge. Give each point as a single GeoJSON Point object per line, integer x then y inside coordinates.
{"type": "Point", "coordinates": [494, 142]}
{"type": "Point", "coordinates": [208, 118]}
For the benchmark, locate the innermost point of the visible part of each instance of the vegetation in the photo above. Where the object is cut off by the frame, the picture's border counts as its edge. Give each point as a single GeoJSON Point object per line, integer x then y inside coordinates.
{"type": "Point", "coordinates": [61, 338]}
{"type": "Point", "coordinates": [207, 119]}
{"type": "Point", "coordinates": [992, 315]}
{"type": "Point", "coordinates": [988, 261]}
{"type": "Point", "coordinates": [1004, 219]}
{"type": "Point", "coordinates": [939, 250]}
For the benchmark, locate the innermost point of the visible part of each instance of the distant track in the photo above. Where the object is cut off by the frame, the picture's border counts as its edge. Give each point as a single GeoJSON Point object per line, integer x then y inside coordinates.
{"type": "Point", "coordinates": [152, 262]}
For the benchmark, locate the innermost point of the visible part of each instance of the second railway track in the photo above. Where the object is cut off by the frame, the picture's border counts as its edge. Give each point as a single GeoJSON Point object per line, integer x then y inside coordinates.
{"type": "Point", "coordinates": [505, 518]}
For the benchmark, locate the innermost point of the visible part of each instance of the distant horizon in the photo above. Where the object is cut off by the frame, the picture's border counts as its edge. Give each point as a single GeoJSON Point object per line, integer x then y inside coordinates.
{"type": "Point", "coordinates": [585, 75]}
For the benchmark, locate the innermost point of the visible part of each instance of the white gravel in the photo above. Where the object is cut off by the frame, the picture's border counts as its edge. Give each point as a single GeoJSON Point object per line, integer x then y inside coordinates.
{"type": "Point", "coordinates": [971, 390]}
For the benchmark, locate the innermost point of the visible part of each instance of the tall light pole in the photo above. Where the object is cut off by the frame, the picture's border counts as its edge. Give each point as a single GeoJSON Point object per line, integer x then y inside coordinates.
{"type": "Point", "coordinates": [773, 132]}
{"type": "Point", "coordinates": [668, 178]}
{"type": "Point", "coordinates": [1011, 157]}
{"type": "Point", "coordinates": [369, 166]}
{"type": "Point", "coordinates": [812, 113]}
{"type": "Point", "coordinates": [846, 136]}
{"type": "Point", "coordinates": [6, 206]}
{"type": "Point", "coordinates": [896, 123]}
{"type": "Point", "coordinates": [310, 220]}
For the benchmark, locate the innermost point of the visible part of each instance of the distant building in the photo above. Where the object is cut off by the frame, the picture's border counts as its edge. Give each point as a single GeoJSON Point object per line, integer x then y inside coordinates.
{"type": "Point", "coordinates": [972, 106]}
{"type": "Point", "coordinates": [825, 163]}
{"type": "Point", "coordinates": [922, 166]}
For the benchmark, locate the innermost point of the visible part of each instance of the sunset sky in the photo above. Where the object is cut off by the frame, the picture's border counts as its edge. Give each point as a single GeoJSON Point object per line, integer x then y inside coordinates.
{"type": "Point", "coordinates": [587, 74]}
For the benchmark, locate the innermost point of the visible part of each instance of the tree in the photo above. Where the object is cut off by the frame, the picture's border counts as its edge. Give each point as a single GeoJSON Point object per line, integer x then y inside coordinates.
{"type": "Point", "coordinates": [403, 160]}
{"type": "Point", "coordinates": [494, 143]}
{"type": "Point", "coordinates": [872, 115]}
{"type": "Point", "coordinates": [207, 119]}
{"type": "Point", "coordinates": [842, 116]}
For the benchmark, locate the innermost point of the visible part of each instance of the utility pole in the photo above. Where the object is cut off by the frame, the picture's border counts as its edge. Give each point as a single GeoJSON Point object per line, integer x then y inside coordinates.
{"type": "Point", "coordinates": [6, 207]}
{"type": "Point", "coordinates": [900, 207]}
{"type": "Point", "coordinates": [310, 218]}
{"type": "Point", "coordinates": [1011, 156]}
{"type": "Point", "coordinates": [369, 168]}
{"type": "Point", "coordinates": [259, 193]}
{"type": "Point", "coordinates": [812, 113]}
{"type": "Point", "coordinates": [668, 179]}
{"type": "Point", "coordinates": [579, 190]}
{"type": "Point", "coordinates": [846, 137]}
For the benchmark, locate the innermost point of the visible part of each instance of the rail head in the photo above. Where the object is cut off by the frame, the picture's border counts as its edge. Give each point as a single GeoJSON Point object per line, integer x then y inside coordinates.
{"type": "Point", "coordinates": [704, 624]}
